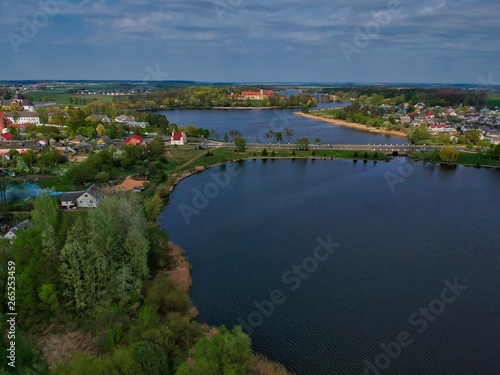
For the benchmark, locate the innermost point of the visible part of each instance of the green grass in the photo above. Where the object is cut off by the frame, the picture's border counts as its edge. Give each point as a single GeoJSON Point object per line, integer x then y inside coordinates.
{"type": "Point", "coordinates": [221, 155]}
{"type": "Point", "coordinates": [466, 158]}
{"type": "Point", "coordinates": [61, 96]}
{"type": "Point", "coordinates": [493, 100]}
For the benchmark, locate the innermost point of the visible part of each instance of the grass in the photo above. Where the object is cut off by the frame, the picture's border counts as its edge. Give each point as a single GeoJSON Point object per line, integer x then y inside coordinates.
{"type": "Point", "coordinates": [465, 158]}
{"type": "Point", "coordinates": [221, 155]}
{"type": "Point", "coordinates": [61, 96]}
{"type": "Point", "coordinates": [493, 100]}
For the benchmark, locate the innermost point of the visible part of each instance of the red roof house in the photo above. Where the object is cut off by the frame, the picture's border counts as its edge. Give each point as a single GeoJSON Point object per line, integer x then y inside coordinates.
{"type": "Point", "coordinates": [134, 141]}
{"type": "Point", "coordinates": [178, 138]}
{"type": "Point", "coordinates": [6, 136]}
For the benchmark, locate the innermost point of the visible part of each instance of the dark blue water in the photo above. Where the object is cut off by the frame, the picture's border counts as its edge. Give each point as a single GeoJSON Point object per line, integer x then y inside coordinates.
{"type": "Point", "coordinates": [254, 124]}
{"type": "Point", "coordinates": [404, 232]}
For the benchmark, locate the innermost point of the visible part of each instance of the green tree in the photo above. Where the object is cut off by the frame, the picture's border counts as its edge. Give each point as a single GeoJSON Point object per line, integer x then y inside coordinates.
{"type": "Point", "coordinates": [226, 352]}
{"type": "Point", "coordinates": [448, 154]}
{"type": "Point", "coordinates": [240, 144]}
{"type": "Point", "coordinates": [278, 136]}
{"type": "Point", "coordinates": [270, 135]}
{"type": "Point", "coordinates": [317, 141]}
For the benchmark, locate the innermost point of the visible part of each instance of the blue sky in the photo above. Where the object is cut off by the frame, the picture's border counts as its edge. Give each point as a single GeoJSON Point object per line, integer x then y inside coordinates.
{"type": "Point", "coordinates": [445, 41]}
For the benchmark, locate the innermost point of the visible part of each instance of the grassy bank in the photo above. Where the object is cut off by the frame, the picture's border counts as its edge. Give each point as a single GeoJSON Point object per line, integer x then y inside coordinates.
{"type": "Point", "coordinates": [465, 158]}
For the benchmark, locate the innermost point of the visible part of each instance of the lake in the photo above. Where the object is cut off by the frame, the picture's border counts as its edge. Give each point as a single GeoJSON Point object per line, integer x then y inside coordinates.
{"type": "Point", "coordinates": [254, 124]}
{"type": "Point", "coordinates": [335, 267]}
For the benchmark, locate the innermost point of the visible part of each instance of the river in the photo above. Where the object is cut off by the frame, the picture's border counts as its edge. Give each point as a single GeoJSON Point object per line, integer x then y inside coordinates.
{"type": "Point", "coordinates": [255, 123]}
{"type": "Point", "coordinates": [335, 267]}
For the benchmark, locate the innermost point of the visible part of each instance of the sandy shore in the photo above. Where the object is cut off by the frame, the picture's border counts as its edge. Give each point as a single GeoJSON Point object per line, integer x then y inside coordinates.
{"type": "Point", "coordinates": [353, 125]}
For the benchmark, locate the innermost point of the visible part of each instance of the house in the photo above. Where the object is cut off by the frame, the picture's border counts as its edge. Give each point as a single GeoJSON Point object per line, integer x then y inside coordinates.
{"type": "Point", "coordinates": [5, 122]}
{"type": "Point", "coordinates": [136, 140]}
{"type": "Point", "coordinates": [78, 139]}
{"type": "Point", "coordinates": [24, 117]}
{"type": "Point", "coordinates": [104, 141]}
{"type": "Point", "coordinates": [69, 199]}
{"type": "Point", "coordinates": [6, 137]}
{"type": "Point", "coordinates": [20, 146]}
{"type": "Point", "coordinates": [99, 118]}
{"type": "Point", "coordinates": [124, 119]}
{"type": "Point", "coordinates": [12, 233]}
{"type": "Point", "coordinates": [178, 138]}
{"type": "Point", "coordinates": [89, 198]}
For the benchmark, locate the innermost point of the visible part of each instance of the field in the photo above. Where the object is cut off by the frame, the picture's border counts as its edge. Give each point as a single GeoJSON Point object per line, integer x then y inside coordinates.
{"type": "Point", "coordinates": [62, 96]}
{"type": "Point", "coordinates": [493, 100]}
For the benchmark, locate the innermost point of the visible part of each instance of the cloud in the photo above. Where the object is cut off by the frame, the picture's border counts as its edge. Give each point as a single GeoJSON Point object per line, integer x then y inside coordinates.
{"type": "Point", "coordinates": [432, 29]}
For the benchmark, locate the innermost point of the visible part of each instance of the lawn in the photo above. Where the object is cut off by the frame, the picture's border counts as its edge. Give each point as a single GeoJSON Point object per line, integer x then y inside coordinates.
{"type": "Point", "coordinates": [493, 100]}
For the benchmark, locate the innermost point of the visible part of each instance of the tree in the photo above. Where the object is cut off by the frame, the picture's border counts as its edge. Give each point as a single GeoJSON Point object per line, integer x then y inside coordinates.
{"type": "Point", "coordinates": [289, 133]}
{"type": "Point", "coordinates": [303, 144]}
{"type": "Point", "coordinates": [240, 144]}
{"type": "Point", "coordinates": [278, 136]}
{"type": "Point", "coordinates": [448, 154]}
{"type": "Point", "coordinates": [264, 152]}
{"type": "Point", "coordinates": [317, 141]}
{"type": "Point", "coordinates": [3, 190]}
{"type": "Point", "coordinates": [100, 130]}
{"type": "Point", "coordinates": [226, 138]}
{"type": "Point", "coordinates": [156, 148]}
{"type": "Point", "coordinates": [226, 352]}
{"type": "Point", "coordinates": [270, 135]}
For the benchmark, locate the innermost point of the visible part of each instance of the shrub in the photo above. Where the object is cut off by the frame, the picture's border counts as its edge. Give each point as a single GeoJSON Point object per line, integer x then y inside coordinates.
{"type": "Point", "coordinates": [264, 152]}
{"type": "Point", "coordinates": [355, 154]}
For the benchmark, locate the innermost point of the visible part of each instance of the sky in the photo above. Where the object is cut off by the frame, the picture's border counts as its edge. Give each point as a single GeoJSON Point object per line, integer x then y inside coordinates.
{"type": "Point", "coordinates": [429, 41]}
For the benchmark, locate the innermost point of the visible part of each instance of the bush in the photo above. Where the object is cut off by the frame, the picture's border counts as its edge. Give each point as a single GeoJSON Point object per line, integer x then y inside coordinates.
{"type": "Point", "coordinates": [273, 153]}
{"type": "Point", "coordinates": [355, 154]}
{"type": "Point", "coordinates": [365, 155]}
{"type": "Point", "coordinates": [264, 152]}
{"type": "Point", "coordinates": [313, 153]}
{"type": "Point", "coordinates": [293, 152]}
{"type": "Point", "coordinates": [375, 155]}
{"type": "Point", "coordinates": [167, 297]}
{"type": "Point", "coordinates": [149, 358]}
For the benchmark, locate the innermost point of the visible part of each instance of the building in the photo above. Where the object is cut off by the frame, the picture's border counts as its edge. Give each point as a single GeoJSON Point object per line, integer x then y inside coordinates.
{"type": "Point", "coordinates": [178, 138]}
{"type": "Point", "coordinates": [89, 198]}
{"type": "Point", "coordinates": [104, 141]}
{"type": "Point", "coordinates": [5, 122]}
{"type": "Point", "coordinates": [99, 118]}
{"type": "Point", "coordinates": [256, 95]}
{"type": "Point", "coordinates": [124, 119]}
{"type": "Point", "coordinates": [136, 140]}
{"type": "Point", "coordinates": [24, 117]}
{"type": "Point", "coordinates": [12, 233]}
{"type": "Point", "coordinates": [24, 104]}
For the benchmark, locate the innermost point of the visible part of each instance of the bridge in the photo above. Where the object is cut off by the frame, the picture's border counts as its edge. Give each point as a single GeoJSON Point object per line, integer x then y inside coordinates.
{"type": "Point", "coordinates": [387, 149]}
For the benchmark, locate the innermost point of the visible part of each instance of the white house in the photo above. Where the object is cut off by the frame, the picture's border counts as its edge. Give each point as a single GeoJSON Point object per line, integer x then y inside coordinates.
{"type": "Point", "coordinates": [178, 138]}
{"type": "Point", "coordinates": [11, 234]}
{"type": "Point", "coordinates": [82, 199]}
{"type": "Point", "coordinates": [90, 198]}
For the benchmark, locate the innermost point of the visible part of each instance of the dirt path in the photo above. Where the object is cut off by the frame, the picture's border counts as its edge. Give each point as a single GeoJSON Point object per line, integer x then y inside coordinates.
{"type": "Point", "coordinates": [192, 160]}
{"type": "Point", "coordinates": [126, 185]}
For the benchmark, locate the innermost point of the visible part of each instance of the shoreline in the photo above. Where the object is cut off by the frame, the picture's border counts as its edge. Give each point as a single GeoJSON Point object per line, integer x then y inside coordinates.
{"type": "Point", "coordinates": [353, 125]}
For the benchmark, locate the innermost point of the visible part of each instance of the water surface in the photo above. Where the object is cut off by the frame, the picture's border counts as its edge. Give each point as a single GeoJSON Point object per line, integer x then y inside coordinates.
{"type": "Point", "coordinates": [399, 244]}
